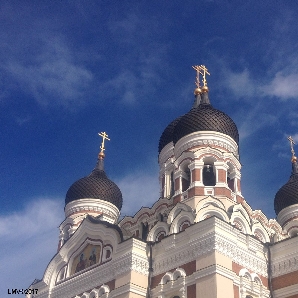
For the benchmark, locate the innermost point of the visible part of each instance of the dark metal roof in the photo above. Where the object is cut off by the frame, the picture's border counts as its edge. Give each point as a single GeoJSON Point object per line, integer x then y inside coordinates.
{"type": "Point", "coordinates": [287, 194]}
{"type": "Point", "coordinates": [205, 118]}
{"type": "Point", "coordinates": [202, 117]}
{"type": "Point", "coordinates": [96, 186]}
{"type": "Point", "coordinates": [167, 135]}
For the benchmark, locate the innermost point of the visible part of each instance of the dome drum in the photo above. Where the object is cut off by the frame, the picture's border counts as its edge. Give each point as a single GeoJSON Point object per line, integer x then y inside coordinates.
{"type": "Point", "coordinates": [95, 207]}
{"type": "Point", "coordinates": [201, 118]}
{"type": "Point", "coordinates": [204, 139]}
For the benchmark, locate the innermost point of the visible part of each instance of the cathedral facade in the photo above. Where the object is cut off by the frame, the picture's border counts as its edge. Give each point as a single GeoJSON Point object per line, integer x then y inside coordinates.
{"type": "Point", "coordinates": [199, 239]}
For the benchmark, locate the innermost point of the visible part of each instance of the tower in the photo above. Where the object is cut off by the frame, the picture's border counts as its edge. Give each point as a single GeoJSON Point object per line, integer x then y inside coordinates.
{"type": "Point", "coordinates": [199, 239]}
{"type": "Point", "coordinates": [286, 199]}
{"type": "Point", "coordinates": [94, 195]}
{"type": "Point", "coordinates": [199, 154]}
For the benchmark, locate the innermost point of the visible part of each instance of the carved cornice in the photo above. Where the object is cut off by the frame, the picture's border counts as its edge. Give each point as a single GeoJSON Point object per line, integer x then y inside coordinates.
{"type": "Point", "coordinates": [204, 138]}
{"type": "Point", "coordinates": [285, 266]}
{"type": "Point", "coordinates": [287, 214]}
{"type": "Point", "coordinates": [128, 288]}
{"type": "Point", "coordinates": [89, 205]}
{"type": "Point", "coordinates": [212, 241]}
{"type": "Point", "coordinates": [101, 274]}
{"type": "Point", "coordinates": [166, 153]}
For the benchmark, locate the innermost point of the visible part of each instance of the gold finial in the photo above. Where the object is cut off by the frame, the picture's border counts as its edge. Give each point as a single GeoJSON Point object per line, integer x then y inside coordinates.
{"type": "Point", "coordinates": [294, 158]}
{"type": "Point", "coordinates": [197, 81]}
{"type": "Point", "coordinates": [201, 69]}
{"type": "Point", "coordinates": [102, 147]}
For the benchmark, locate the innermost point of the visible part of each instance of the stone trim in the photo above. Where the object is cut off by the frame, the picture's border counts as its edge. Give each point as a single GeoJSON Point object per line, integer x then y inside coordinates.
{"type": "Point", "coordinates": [286, 280]}
{"type": "Point", "coordinates": [212, 241]}
{"type": "Point", "coordinates": [285, 266]}
{"type": "Point", "coordinates": [87, 205]}
{"type": "Point", "coordinates": [287, 292]}
{"type": "Point", "coordinates": [205, 139]}
{"type": "Point", "coordinates": [101, 275]}
{"type": "Point", "coordinates": [287, 214]}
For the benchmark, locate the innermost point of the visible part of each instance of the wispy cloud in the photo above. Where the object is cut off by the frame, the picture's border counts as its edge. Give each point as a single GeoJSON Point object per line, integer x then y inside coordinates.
{"type": "Point", "coordinates": [52, 76]}
{"type": "Point", "coordinates": [29, 240]}
{"type": "Point", "coordinates": [282, 86]}
{"type": "Point", "coordinates": [240, 83]}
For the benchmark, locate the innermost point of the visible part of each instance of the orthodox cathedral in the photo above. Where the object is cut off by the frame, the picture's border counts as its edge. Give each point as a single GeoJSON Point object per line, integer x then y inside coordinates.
{"type": "Point", "coordinates": [199, 239]}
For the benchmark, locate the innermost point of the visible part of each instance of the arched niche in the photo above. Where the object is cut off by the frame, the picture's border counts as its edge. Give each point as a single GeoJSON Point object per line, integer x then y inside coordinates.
{"type": "Point", "coordinates": [185, 175]}
{"type": "Point", "coordinates": [209, 171]}
{"type": "Point", "coordinates": [231, 175]}
{"type": "Point", "coordinates": [158, 232]}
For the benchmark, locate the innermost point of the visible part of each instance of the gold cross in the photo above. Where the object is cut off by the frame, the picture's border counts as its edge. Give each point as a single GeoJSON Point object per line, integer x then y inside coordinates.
{"type": "Point", "coordinates": [201, 69]}
{"type": "Point", "coordinates": [104, 137]}
{"type": "Point", "coordinates": [205, 71]}
{"type": "Point", "coordinates": [291, 144]}
{"type": "Point", "coordinates": [197, 81]}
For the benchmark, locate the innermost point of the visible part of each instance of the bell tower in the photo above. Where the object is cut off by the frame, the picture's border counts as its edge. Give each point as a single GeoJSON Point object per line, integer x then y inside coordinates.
{"type": "Point", "coordinates": [199, 153]}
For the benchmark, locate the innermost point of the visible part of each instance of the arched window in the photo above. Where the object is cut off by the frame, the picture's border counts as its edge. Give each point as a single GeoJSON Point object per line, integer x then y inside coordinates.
{"type": "Point", "coordinates": [209, 178]}
{"type": "Point", "coordinates": [186, 178]}
{"type": "Point", "coordinates": [231, 177]}
{"type": "Point", "coordinates": [160, 236]}
{"type": "Point", "coordinates": [145, 230]}
{"type": "Point", "coordinates": [172, 188]}
{"type": "Point", "coordinates": [184, 225]}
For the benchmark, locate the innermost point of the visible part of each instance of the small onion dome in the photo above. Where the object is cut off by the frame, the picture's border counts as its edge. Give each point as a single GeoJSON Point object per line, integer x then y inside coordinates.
{"type": "Point", "coordinates": [205, 118]}
{"type": "Point", "coordinates": [167, 135]}
{"type": "Point", "coordinates": [287, 194]}
{"type": "Point", "coordinates": [95, 186]}
{"type": "Point", "coordinates": [200, 118]}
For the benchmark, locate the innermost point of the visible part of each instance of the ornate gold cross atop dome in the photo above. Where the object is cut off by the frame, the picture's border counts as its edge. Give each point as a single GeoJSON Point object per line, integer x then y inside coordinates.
{"type": "Point", "coordinates": [294, 158]}
{"type": "Point", "coordinates": [201, 69]}
{"type": "Point", "coordinates": [104, 137]}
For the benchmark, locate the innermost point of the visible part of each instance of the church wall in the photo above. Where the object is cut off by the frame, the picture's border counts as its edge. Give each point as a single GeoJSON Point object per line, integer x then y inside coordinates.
{"type": "Point", "coordinates": [206, 287]}
{"type": "Point", "coordinates": [222, 191]}
{"type": "Point", "coordinates": [189, 269]}
{"type": "Point", "coordinates": [123, 279]}
{"type": "Point", "coordinates": [285, 281]}
{"type": "Point", "coordinates": [210, 259]}
{"type": "Point", "coordinates": [191, 291]}
{"type": "Point", "coordinates": [236, 291]}
{"type": "Point", "coordinates": [196, 175]}
{"type": "Point", "coordinates": [285, 268]}
{"type": "Point", "coordinates": [221, 175]}
{"type": "Point", "coordinates": [224, 286]}
{"type": "Point", "coordinates": [236, 268]}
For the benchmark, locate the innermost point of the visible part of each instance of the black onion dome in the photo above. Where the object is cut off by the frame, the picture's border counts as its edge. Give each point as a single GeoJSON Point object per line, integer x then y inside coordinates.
{"type": "Point", "coordinates": [95, 186]}
{"type": "Point", "coordinates": [167, 135]}
{"type": "Point", "coordinates": [287, 194]}
{"type": "Point", "coordinates": [205, 118]}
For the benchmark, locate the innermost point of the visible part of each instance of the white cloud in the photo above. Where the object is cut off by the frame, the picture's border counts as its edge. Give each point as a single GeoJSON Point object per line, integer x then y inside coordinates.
{"type": "Point", "coordinates": [29, 240]}
{"type": "Point", "coordinates": [138, 189]}
{"type": "Point", "coordinates": [53, 76]}
{"type": "Point", "coordinates": [283, 87]}
{"type": "Point", "coordinates": [254, 121]}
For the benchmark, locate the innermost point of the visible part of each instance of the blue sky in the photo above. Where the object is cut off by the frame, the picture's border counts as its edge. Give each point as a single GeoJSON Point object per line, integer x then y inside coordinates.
{"type": "Point", "coordinates": [70, 69]}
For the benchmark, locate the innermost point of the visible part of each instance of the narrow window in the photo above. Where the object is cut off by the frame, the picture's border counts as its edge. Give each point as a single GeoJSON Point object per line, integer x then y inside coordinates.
{"type": "Point", "coordinates": [172, 190]}
{"type": "Point", "coordinates": [145, 230]}
{"type": "Point", "coordinates": [209, 175]}
{"type": "Point", "coordinates": [186, 179]}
